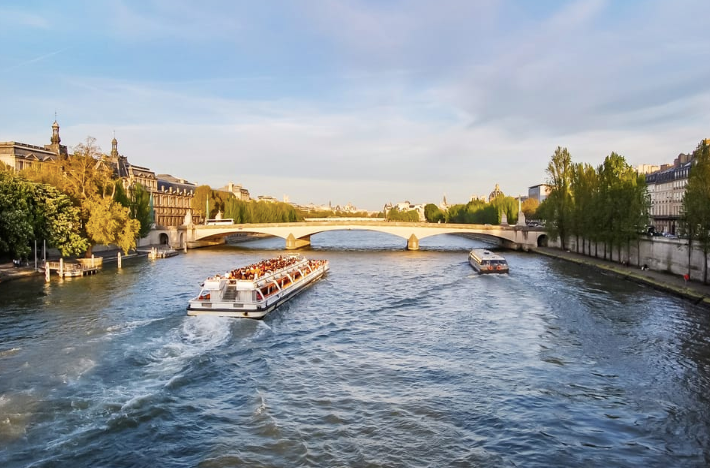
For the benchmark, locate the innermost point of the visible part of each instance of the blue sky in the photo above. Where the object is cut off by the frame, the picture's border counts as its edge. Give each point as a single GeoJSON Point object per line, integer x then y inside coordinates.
{"type": "Point", "coordinates": [360, 101]}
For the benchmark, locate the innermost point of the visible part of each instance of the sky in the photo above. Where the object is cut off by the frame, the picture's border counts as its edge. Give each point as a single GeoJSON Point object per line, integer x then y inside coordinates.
{"type": "Point", "coordinates": [359, 101]}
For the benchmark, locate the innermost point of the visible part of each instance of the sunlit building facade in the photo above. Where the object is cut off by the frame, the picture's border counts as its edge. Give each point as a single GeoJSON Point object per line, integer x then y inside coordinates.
{"type": "Point", "coordinates": [21, 156]}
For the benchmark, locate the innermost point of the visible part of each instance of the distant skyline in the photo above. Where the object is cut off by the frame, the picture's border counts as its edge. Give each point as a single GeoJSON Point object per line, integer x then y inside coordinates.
{"type": "Point", "coordinates": [361, 102]}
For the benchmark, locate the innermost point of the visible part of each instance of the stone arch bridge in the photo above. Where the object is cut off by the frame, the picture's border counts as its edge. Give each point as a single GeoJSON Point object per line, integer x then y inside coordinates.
{"type": "Point", "coordinates": [298, 235]}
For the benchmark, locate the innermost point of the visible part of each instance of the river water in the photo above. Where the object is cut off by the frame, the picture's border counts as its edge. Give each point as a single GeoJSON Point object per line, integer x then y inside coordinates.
{"type": "Point", "coordinates": [395, 359]}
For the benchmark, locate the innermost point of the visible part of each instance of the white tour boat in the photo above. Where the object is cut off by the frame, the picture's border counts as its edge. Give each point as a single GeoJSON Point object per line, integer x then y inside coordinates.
{"type": "Point", "coordinates": [485, 261]}
{"type": "Point", "coordinates": [257, 289]}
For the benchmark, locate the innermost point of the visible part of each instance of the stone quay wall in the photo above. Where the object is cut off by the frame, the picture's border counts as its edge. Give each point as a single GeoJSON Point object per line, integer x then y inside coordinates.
{"type": "Point", "coordinates": [658, 253]}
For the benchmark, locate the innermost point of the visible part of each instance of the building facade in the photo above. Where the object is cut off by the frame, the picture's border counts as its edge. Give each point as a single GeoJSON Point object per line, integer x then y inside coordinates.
{"type": "Point", "coordinates": [172, 200]}
{"type": "Point", "coordinates": [171, 197]}
{"type": "Point", "coordinates": [238, 191]}
{"type": "Point", "coordinates": [539, 192]}
{"type": "Point", "coordinates": [21, 156]}
{"type": "Point", "coordinates": [666, 188]}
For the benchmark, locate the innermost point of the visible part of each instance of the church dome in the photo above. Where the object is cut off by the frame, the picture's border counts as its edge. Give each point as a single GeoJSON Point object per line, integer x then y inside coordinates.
{"type": "Point", "coordinates": [495, 193]}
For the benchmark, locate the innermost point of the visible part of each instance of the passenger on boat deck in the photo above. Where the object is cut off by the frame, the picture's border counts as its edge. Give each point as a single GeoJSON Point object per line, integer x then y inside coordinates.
{"type": "Point", "coordinates": [268, 266]}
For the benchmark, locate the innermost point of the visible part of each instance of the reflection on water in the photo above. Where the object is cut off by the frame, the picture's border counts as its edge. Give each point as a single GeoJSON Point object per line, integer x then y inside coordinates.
{"type": "Point", "coordinates": [395, 359]}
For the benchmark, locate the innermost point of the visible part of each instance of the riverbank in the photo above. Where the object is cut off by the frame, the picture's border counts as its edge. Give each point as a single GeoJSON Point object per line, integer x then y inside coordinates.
{"type": "Point", "coordinates": [694, 291]}
{"type": "Point", "coordinates": [9, 272]}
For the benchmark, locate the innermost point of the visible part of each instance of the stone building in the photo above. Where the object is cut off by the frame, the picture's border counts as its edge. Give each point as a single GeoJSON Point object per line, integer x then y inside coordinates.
{"type": "Point", "coordinates": [237, 190]}
{"type": "Point", "coordinates": [130, 173]}
{"type": "Point", "coordinates": [20, 156]}
{"type": "Point", "coordinates": [172, 200]}
{"type": "Point", "coordinates": [497, 192]}
{"type": "Point", "coordinates": [666, 188]}
{"type": "Point", "coordinates": [171, 197]}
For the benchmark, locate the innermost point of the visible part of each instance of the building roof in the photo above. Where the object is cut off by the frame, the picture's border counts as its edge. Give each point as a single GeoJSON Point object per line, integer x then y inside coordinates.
{"type": "Point", "coordinates": [40, 152]}
{"type": "Point", "coordinates": [166, 182]}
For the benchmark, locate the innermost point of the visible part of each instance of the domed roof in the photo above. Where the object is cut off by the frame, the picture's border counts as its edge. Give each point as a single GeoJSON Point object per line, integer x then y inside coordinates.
{"type": "Point", "coordinates": [495, 193]}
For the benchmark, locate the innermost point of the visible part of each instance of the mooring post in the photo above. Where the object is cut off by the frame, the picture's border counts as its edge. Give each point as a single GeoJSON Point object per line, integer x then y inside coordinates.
{"type": "Point", "coordinates": [92, 260]}
{"type": "Point", "coordinates": [61, 268]}
{"type": "Point", "coordinates": [119, 260]}
{"type": "Point", "coordinates": [46, 272]}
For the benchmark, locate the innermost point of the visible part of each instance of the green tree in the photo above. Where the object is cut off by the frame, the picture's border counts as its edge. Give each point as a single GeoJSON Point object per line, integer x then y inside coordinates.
{"type": "Point", "coordinates": [407, 216]}
{"type": "Point", "coordinates": [34, 212]}
{"type": "Point", "coordinates": [585, 187]}
{"type": "Point", "coordinates": [140, 209]}
{"type": "Point", "coordinates": [432, 213]}
{"type": "Point", "coordinates": [558, 204]}
{"type": "Point", "coordinates": [529, 208]}
{"type": "Point", "coordinates": [243, 212]}
{"type": "Point", "coordinates": [109, 223]}
{"type": "Point", "coordinates": [507, 205]}
{"type": "Point", "coordinates": [60, 221]}
{"type": "Point", "coordinates": [85, 175]}
{"type": "Point", "coordinates": [622, 193]}
{"type": "Point", "coordinates": [200, 200]}
{"type": "Point", "coordinates": [696, 204]}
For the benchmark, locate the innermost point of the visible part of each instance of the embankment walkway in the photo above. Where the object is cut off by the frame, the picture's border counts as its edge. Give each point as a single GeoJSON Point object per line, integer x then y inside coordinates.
{"type": "Point", "coordinates": [694, 291]}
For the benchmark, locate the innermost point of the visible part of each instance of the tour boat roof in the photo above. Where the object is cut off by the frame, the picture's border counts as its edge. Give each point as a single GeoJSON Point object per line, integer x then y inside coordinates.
{"type": "Point", "coordinates": [485, 254]}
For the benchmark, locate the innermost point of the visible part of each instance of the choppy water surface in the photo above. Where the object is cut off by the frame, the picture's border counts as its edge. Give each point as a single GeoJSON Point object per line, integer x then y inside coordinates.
{"type": "Point", "coordinates": [395, 359]}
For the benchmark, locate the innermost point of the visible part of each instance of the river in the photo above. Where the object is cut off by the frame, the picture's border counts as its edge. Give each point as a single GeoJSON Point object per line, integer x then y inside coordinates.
{"type": "Point", "coordinates": [395, 359]}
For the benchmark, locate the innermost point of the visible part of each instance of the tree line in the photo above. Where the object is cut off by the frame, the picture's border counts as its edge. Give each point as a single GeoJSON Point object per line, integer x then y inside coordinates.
{"type": "Point", "coordinates": [609, 205]}
{"type": "Point", "coordinates": [606, 206]}
{"type": "Point", "coordinates": [481, 212]}
{"type": "Point", "coordinates": [73, 203]}
{"type": "Point", "coordinates": [208, 203]}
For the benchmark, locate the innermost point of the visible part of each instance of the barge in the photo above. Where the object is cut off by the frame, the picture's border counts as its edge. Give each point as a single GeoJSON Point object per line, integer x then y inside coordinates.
{"type": "Point", "coordinates": [255, 290]}
{"type": "Point", "coordinates": [485, 261]}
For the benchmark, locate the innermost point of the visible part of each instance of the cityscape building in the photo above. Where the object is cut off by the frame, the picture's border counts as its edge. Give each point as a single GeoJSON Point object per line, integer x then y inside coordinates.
{"type": "Point", "coordinates": [539, 192]}
{"type": "Point", "coordinates": [171, 197]}
{"type": "Point", "coordinates": [647, 168]}
{"type": "Point", "coordinates": [407, 206]}
{"type": "Point", "coordinates": [237, 190]}
{"type": "Point", "coordinates": [20, 156]}
{"type": "Point", "coordinates": [497, 192]}
{"type": "Point", "coordinates": [666, 188]}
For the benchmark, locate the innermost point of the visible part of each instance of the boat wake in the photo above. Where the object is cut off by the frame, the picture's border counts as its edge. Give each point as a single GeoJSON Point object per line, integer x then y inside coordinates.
{"type": "Point", "coordinates": [193, 338]}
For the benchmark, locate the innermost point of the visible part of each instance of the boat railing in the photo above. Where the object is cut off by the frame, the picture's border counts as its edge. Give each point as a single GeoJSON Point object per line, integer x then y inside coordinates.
{"type": "Point", "coordinates": [283, 285]}
{"type": "Point", "coordinates": [278, 273]}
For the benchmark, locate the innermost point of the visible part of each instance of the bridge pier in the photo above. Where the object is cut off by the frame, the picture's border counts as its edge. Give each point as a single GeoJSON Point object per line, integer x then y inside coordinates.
{"type": "Point", "coordinates": [413, 243]}
{"type": "Point", "coordinates": [292, 243]}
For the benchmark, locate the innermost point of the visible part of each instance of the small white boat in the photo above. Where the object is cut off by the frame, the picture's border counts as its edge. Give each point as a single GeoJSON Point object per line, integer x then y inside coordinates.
{"type": "Point", "coordinates": [255, 290]}
{"type": "Point", "coordinates": [485, 261]}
